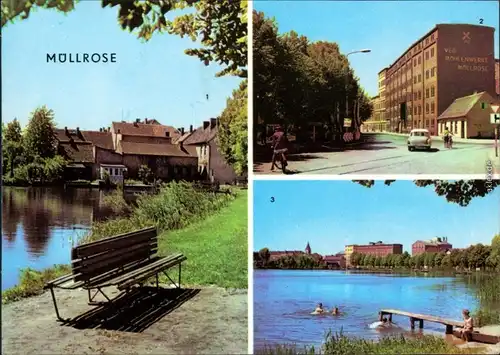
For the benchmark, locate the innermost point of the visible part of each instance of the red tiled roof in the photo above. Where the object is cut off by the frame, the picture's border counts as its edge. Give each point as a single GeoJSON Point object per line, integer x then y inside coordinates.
{"type": "Point", "coordinates": [77, 152]}
{"type": "Point", "coordinates": [201, 135]}
{"type": "Point", "coordinates": [142, 129]}
{"type": "Point", "coordinates": [99, 139]}
{"type": "Point", "coordinates": [156, 149]}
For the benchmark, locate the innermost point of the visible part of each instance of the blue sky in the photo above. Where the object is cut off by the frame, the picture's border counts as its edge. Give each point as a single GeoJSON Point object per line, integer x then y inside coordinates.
{"type": "Point", "coordinates": [388, 28]}
{"type": "Point", "coordinates": [154, 79]}
{"type": "Point", "coordinates": [331, 214]}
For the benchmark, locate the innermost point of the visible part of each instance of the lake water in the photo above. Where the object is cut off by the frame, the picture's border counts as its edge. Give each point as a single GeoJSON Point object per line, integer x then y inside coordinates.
{"type": "Point", "coordinates": [284, 299]}
{"type": "Point", "coordinates": [39, 226]}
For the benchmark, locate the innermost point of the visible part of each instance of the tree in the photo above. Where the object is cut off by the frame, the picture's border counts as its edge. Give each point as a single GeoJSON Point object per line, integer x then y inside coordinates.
{"type": "Point", "coordinates": [220, 25]}
{"type": "Point", "coordinates": [232, 138]}
{"type": "Point", "coordinates": [145, 174]}
{"type": "Point", "coordinates": [298, 82]}
{"type": "Point", "coordinates": [264, 256]}
{"type": "Point", "coordinates": [39, 138]}
{"type": "Point", "coordinates": [460, 192]}
{"type": "Point", "coordinates": [12, 145]}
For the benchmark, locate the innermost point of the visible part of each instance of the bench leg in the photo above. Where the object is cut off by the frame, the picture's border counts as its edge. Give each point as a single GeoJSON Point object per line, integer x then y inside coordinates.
{"type": "Point", "coordinates": [179, 286]}
{"type": "Point", "coordinates": [55, 306]}
{"type": "Point", "coordinates": [97, 303]}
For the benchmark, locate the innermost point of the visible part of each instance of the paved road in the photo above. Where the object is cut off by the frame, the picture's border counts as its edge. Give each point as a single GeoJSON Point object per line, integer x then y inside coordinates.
{"type": "Point", "coordinates": [387, 154]}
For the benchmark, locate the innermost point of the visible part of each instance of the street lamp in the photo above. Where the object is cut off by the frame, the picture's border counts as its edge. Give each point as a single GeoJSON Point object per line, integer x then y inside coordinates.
{"type": "Point", "coordinates": [347, 79]}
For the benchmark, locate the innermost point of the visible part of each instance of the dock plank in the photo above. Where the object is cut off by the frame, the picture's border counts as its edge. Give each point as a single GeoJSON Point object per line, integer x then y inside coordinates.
{"type": "Point", "coordinates": [425, 317]}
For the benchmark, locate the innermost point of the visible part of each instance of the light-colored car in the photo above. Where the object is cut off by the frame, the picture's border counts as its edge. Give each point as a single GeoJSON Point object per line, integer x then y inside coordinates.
{"type": "Point", "coordinates": [419, 139]}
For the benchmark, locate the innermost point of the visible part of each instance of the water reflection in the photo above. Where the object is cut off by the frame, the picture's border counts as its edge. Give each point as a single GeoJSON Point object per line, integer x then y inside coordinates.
{"type": "Point", "coordinates": [39, 225]}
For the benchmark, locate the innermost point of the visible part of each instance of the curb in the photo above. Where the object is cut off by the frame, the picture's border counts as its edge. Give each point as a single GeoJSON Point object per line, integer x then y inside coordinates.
{"type": "Point", "coordinates": [459, 140]}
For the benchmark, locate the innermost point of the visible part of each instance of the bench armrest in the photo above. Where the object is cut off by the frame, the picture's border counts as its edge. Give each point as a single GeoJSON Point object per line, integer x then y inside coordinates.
{"type": "Point", "coordinates": [58, 281]}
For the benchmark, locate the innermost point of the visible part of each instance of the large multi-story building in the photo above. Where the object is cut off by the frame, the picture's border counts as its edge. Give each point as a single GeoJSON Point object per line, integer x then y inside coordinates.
{"type": "Point", "coordinates": [377, 121]}
{"type": "Point", "coordinates": [373, 248]}
{"type": "Point", "coordinates": [448, 62]}
{"type": "Point", "coordinates": [435, 245]}
{"type": "Point", "coordinates": [497, 76]}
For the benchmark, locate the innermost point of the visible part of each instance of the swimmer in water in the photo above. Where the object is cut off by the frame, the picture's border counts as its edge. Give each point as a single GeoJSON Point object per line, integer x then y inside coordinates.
{"type": "Point", "coordinates": [335, 311]}
{"type": "Point", "coordinates": [319, 309]}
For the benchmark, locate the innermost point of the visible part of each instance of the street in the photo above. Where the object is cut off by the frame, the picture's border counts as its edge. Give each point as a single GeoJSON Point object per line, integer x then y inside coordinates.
{"type": "Point", "coordinates": [388, 154]}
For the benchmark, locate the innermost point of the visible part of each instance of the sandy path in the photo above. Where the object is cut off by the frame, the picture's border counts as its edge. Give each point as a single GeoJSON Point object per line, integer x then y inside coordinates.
{"type": "Point", "coordinates": [212, 321]}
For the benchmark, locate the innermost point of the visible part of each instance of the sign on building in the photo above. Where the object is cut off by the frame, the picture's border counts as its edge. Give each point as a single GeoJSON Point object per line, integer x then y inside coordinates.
{"type": "Point", "coordinates": [495, 118]}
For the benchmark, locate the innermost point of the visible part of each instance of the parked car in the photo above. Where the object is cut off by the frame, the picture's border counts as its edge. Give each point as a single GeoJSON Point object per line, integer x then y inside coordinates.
{"type": "Point", "coordinates": [419, 139]}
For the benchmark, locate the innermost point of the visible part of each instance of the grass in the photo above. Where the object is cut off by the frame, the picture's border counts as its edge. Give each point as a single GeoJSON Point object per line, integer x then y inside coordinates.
{"type": "Point", "coordinates": [215, 243]}
{"type": "Point", "coordinates": [31, 282]}
{"type": "Point", "coordinates": [216, 248]}
{"type": "Point", "coordinates": [341, 344]}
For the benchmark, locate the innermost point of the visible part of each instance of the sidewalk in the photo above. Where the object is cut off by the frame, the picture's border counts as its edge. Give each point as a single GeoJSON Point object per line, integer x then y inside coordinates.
{"type": "Point", "coordinates": [440, 138]}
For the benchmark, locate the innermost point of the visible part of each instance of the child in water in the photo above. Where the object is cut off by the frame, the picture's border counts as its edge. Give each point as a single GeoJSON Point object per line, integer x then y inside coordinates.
{"type": "Point", "coordinates": [319, 309]}
{"type": "Point", "coordinates": [335, 311]}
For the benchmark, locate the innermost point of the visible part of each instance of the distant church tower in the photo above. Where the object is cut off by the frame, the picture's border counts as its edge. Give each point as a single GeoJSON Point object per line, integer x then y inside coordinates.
{"type": "Point", "coordinates": [308, 249]}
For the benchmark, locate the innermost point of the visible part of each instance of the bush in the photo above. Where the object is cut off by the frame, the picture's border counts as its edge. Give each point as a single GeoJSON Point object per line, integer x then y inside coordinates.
{"type": "Point", "coordinates": [176, 205]}
{"type": "Point", "coordinates": [145, 174]}
{"type": "Point", "coordinates": [53, 169]}
{"type": "Point", "coordinates": [116, 202]}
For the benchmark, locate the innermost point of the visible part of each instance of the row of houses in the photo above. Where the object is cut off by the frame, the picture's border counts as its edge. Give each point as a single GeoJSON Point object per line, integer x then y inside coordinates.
{"type": "Point", "coordinates": [122, 148]}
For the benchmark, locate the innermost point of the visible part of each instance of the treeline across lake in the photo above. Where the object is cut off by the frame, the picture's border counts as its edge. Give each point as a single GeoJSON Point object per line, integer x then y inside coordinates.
{"type": "Point", "coordinates": [485, 257]}
{"type": "Point", "coordinates": [263, 260]}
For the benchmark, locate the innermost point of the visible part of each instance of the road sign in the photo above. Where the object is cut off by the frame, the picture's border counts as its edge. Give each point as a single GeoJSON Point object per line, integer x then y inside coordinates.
{"type": "Point", "coordinates": [495, 118]}
{"type": "Point", "coordinates": [495, 108]}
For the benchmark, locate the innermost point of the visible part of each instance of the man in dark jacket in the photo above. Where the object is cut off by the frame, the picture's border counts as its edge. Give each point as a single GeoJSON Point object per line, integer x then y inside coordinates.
{"type": "Point", "coordinates": [279, 144]}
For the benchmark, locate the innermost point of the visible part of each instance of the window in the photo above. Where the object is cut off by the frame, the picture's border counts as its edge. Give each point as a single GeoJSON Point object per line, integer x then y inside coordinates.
{"type": "Point", "coordinates": [414, 62]}
{"type": "Point", "coordinates": [426, 55]}
{"type": "Point", "coordinates": [427, 108]}
{"type": "Point", "coordinates": [432, 37]}
{"type": "Point", "coordinates": [419, 109]}
{"type": "Point", "coordinates": [427, 93]}
{"type": "Point", "coordinates": [414, 80]}
{"type": "Point", "coordinates": [419, 60]}
{"type": "Point", "coordinates": [419, 78]}
{"type": "Point", "coordinates": [414, 95]}
{"type": "Point", "coordinates": [415, 110]}
{"type": "Point", "coordinates": [432, 52]}
{"type": "Point", "coordinates": [420, 95]}
{"type": "Point", "coordinates": [433, 107]}
{"type": "Point", "coordinates": [427, 74]}
{"type": "Point", "coordinates": [483, 105]}
{"type": "Point", "coordinates": [433, 71]}
{"type": "Point", "coordinates": [116, 172]}
{"type": "Point", "coordinates": [432, 91]}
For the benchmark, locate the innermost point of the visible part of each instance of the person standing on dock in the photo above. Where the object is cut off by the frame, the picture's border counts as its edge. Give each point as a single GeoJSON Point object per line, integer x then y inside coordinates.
{"type": "Point", "coordinates": [468, 328]}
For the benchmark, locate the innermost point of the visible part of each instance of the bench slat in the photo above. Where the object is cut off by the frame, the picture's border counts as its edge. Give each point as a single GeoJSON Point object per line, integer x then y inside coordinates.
{"type": "Point", "coordinates": [114, 265]}
{"type": "Point", "coordinates": [149, 272]}
{"type": "Point", "coordinates": [116, 242]}
{"type": "Point", "coordinates": [138, 271]}
{"type": "Point", "coordinates": [97, 260]}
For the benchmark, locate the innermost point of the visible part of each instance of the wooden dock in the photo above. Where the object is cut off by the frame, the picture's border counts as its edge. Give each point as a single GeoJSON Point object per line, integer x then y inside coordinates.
{"type": "Point", "coordinates": [474, 336]}
{"type": "Point", "coordinates": [421, 318]}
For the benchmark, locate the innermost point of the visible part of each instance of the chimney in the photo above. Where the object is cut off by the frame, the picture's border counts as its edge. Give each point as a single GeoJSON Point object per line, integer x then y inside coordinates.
{"type": "Point", "coordinates": [118, 131]}
{"type": "Point", "coordinates": [167, 134]}
{"type": "Point", "coordinates": [182, 131]}
{"type": "Point", "coordinates": [109, 129]}
{"type": "Point", "coordinates": [206, 124]}
{"type": "Point", "coordinates": [100, 129]}
{"type": "Point", "coordinates": [191, 129]}
{"type": "Point", "coordinates": [146, 121]}
{"type": "Point", "coordinates": [78, 133]}
{"type": "Point", "coordinates": [66, 131]}
{"type": "Point", "coordinates": [137, 120]}
{"type": "Point", "coordinates": [213, 122]}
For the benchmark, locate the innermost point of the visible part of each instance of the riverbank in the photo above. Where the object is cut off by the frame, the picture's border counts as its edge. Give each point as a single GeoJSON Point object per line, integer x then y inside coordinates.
{"type": "Point", "coordinates": [426, 344]}
{"type": "Point", "coordinates": [214, 241]}
{"type": "Point", "coordinates": [208, 320]}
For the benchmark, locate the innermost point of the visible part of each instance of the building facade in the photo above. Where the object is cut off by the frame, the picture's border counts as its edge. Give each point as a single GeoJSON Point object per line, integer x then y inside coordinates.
{"type": "Point", "coordinates": [377, 122]}
{"type": "Point", "coordinates": [435, 245]}
{"type": "Point", "coordinates": [335, 261]}
{"type": "Point", "coordinates": [469, 117]}
{"type": "Point", "coordinates": [448, 62]}
{"type": "Point", "coordinates": [211, 164]}
{"type": "Point", "coordinates": [497, 76]}
{"type": "Point", "coordinates": [373, 248]}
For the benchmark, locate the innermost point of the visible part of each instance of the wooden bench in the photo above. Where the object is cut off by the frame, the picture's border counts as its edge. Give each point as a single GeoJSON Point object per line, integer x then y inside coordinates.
{"type": "Point", "coordinates": [124, 261]}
